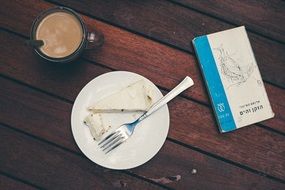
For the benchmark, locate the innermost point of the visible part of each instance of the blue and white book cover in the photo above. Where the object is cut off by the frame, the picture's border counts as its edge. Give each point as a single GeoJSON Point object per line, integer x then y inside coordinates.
{"type": "Point", "coordinates": [232, 78]}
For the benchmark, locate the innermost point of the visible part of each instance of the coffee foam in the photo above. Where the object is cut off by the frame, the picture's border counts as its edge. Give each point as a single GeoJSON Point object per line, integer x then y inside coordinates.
{"type": "Point", "coordinates": [62, 34]}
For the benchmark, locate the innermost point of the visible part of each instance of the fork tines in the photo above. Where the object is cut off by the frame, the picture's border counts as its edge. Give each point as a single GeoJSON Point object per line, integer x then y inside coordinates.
{"type": "Point", "coordinates": [112, 141]}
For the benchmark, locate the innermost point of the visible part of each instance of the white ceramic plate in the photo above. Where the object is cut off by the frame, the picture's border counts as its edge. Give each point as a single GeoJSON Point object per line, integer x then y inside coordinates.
{"type": "Point", "coordinates": [148, 137]}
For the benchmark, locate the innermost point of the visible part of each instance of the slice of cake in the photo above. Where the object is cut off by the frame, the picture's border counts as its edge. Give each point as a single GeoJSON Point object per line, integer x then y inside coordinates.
{"type": "Point", "coordinates": [96, 126]}
{"type": "Point", "coordinates": [135, 97]}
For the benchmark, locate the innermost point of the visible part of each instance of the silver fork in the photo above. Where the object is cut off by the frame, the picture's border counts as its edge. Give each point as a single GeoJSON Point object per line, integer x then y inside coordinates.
{"type": "Point", "coordinates": [125, 131]}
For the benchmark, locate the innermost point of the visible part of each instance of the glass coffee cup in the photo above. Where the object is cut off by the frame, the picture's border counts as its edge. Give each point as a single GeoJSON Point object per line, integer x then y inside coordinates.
{"type": "Point", "coordinates": [62, 35]}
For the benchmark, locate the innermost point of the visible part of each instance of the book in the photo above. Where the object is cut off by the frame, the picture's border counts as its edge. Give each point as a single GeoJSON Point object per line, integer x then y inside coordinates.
{"type": "Point", "coordinates": [232, 79]}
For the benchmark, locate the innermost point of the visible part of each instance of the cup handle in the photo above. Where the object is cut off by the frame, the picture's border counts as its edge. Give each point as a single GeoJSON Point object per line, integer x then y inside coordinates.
{"type": "Point", "coordinates": [95, 39]}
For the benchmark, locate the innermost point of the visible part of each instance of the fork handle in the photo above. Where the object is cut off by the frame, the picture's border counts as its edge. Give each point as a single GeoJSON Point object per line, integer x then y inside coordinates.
{"type": "Point", "coordinates": [186, 83]}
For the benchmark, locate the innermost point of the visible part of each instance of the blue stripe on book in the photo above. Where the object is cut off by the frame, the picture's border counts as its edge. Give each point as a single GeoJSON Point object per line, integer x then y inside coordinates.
{"type": "Point", "coordinates": [214, 84]}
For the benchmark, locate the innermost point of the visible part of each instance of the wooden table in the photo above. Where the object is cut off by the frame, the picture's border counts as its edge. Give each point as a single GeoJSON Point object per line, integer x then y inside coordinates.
{"type": "Point", "coordinates": [151, 38]}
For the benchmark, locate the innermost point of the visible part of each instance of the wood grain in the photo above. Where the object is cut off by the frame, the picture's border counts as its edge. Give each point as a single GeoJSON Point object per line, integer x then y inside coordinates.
{"type": "Point", "coordinates": [7, 183]}
{"type": "Point", "coordinates": [177, 26]}
{"type": "Point", "coordinates": [53, 168]}
{"type": "Point", "coordinates": [172, 160]}
{"type": "Point", "coordinates": [265, 16]}
{"type": "Point", "coordinates": [163, 65]}
{"type": "Point", "coordinates": [254, 147]}
{"type": "Point", "coordinates": [198, 171]}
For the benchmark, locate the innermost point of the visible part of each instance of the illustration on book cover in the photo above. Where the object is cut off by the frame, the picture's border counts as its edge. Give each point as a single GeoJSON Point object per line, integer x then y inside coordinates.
{"type": "Point", "coordinates": [233, 70]}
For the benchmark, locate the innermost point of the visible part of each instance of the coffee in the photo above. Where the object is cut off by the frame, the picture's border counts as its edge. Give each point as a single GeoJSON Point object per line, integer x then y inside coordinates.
{"type": "Point", "coordinates": [62, 34]}
{"type": "Point", "coordinates": [59, 35]}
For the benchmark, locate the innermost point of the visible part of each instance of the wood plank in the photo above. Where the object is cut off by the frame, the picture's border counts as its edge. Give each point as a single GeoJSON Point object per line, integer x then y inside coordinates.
{"type": "Point", "coordinates": [123, 51]}
{"type": "Point", "coordinates": [172, 160]}
{"type": "Point", "coordinates": [210, 173]}
{"type": "Point", "coordinates": [176, 25]}
{"type": "Point", "coordinates": [53, 168]}
{"type": "Point", "coordinates": [163, 65]}
{"type": "Point", "coordinates": [55, 86]}
{"type": "Point", "coordinates": [253, 147]}
{"type": "Point", "coordinates": [265, 16]}
{"type": "Point", "coordinates": [7, 183]}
